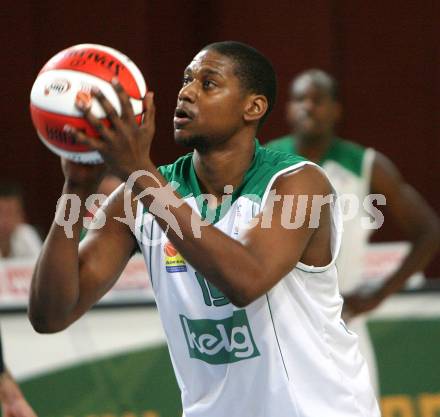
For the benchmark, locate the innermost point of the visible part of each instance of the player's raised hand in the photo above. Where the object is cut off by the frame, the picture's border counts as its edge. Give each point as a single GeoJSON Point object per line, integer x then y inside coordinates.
{"type": "Point", "coordinates": [124, 145]}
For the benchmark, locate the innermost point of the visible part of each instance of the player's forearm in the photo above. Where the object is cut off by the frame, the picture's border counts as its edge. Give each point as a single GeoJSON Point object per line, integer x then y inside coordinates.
{"type": "Point", "coordinates": [424, 246]}
{"type": "Point", "coordinates": [225, 262]}
{"type": "Point", "coordinates": [55, 282]}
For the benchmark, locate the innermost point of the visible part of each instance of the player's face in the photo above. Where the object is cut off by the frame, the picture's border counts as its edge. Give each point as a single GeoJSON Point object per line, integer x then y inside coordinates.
{"type": "Point", "coordinates": [11, 215]}
{"type": "Point", "coordinates": [311, 111]}
{"type": "Point", "coordinates": [211, 102]}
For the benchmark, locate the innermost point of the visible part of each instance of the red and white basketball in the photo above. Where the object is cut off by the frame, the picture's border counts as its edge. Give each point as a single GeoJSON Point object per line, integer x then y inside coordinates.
{"type": "Point", "coordinates": [71, 74]}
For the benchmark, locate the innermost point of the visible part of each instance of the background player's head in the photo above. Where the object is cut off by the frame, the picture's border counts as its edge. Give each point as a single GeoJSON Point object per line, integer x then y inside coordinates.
{"type": "Point", "coordinates": [227, 87]}
{"type": "Point", "coordinates": [313, 108]}
{"type": "Point", "coordinates": [11, 208]}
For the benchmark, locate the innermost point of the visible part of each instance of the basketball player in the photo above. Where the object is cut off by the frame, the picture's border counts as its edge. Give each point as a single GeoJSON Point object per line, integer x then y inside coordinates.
{"type": "Point", "coordinates": [248, 299]}
{"type": "Point", "coordinates": [13, 403]}
{"type": "Point", "coordinates": [312, 113]}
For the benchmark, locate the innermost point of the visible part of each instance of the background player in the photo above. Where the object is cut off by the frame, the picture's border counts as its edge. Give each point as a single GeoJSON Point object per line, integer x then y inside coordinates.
{"type": "Point", "coordinates": [312, 113]}
{"type": "Point", "coordinates": [17, 239]}
{"type": "Point", "coordinates": [243, 321]}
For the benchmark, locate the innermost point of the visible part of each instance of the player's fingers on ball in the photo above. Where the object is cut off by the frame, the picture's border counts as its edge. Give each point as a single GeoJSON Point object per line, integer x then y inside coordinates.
{"type": "Point", "coordinates": [103, 131]}
{"type": "Point", "coordinates": [90, 142]}
{"type": "Point", "coordinates": [126, 107]}
{"type": "Point", "coordinates": [150, 109]}
{"type": "Point", "coordinates": [82, 138]}
{"type": "Point", "coordinates": [108, 108]}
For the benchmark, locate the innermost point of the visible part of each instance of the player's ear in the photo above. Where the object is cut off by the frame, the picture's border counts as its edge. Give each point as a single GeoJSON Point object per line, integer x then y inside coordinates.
{"type": "Point", "coordinates": [256, 107]}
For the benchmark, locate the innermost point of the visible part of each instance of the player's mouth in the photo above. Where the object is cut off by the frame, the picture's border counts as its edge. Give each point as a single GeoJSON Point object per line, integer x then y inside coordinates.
{"type": "Point", "coordinates": [182, 117]}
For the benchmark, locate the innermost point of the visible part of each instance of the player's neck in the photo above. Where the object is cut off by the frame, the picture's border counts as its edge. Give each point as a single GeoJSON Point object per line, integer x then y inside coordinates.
{"type": "Point", "coordinates": [314, 149]}
{"type": "Point", "coordinates": [223, 165]}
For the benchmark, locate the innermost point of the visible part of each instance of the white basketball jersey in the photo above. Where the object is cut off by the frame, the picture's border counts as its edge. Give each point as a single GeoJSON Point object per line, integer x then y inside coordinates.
{"type": "Point", "coordinates": [288, 353]}
{"type": "Point", "coordinates": [352, 179]}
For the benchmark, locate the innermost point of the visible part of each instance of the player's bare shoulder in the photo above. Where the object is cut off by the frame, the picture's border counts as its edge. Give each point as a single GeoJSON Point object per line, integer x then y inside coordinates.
{"type": "Point", "coordinates": [308, 179]}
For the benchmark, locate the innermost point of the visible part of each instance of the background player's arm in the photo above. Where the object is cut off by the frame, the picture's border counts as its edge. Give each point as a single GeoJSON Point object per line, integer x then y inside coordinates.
{"type": "Point", "coordinates": [414, 217]}
{"type": "Point", "coordinates": [70, 277]}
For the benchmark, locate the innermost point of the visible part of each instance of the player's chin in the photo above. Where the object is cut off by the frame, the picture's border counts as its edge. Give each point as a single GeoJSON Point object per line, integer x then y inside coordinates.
{"type": "Point", "coordinates": [181, 136]}
{"type": "Point", "coordinates": [190, 140]}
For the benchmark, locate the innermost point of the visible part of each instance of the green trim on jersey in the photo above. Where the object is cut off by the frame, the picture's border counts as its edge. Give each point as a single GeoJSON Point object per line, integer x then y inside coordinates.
{"type": "Point", "coordinates": [265, 164]}
{"type": "Point", "coordinates": [282, 144]}
{"type": "Point", "coordinates": [348, 154]}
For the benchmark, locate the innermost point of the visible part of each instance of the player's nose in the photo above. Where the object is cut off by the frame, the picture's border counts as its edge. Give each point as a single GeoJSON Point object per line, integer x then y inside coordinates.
{"type": "Point", "coordinates": [188, 93]}
{"type": "Point", "coordinates": [308, 105]}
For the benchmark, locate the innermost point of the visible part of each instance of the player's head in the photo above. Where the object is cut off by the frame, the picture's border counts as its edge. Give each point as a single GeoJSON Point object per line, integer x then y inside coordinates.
{"type": "Point", "coordinates": [11, 208]}
{"type": "Point", "coordinates": [227, 87]}
{"type": "Point", "coordinates": [313, 108]}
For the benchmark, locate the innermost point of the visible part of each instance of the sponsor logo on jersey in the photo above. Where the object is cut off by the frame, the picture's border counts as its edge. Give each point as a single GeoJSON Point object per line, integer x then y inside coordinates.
{"type": "Point", "coordinates": [174, 261]}
{"type": "Point", "coordinates": [220, 341]}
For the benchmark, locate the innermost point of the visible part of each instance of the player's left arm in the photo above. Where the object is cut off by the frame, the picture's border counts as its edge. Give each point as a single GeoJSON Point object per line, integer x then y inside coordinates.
{"type": "Point", "coordinates": [283, 234]}
{"type": "Point", "coordinates": [416, 219]}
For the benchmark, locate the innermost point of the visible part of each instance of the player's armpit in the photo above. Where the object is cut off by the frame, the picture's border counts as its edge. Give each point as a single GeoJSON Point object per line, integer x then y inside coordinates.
{"type": "Point", "coordinates": [293, 226]}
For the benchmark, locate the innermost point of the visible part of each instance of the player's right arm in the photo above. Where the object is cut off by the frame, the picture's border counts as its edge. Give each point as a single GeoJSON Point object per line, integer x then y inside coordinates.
{"type": "Point", "coordinates": [69, 278]}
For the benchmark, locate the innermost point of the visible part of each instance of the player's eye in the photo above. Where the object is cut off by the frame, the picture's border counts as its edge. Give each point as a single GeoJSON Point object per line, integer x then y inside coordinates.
{"type": "Point", "coordinates": [207, 84]}
{"type": "Point", "coordinates": [186, 79]}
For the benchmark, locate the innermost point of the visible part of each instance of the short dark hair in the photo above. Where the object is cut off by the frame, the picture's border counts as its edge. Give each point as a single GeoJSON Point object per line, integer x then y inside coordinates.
{"type": "Point", "coordinates": [253, 69]}
{"type": "Point", "coordinates": [319, 78]}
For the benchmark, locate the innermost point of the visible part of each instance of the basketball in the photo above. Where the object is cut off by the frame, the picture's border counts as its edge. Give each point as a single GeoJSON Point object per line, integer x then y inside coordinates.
{"type": "Point", "coordinates": [70, 75]}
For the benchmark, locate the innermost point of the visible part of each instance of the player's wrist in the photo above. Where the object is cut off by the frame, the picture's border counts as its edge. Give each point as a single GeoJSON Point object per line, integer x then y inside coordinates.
{"type": "Point", "coordinates": [125, 172]}
{"type": "Point", "coordinates": [82, 189]}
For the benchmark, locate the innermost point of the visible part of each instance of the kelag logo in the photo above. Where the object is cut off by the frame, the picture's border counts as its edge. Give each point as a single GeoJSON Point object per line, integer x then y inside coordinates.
{"type": "Point", "coordinates": [220, 341]}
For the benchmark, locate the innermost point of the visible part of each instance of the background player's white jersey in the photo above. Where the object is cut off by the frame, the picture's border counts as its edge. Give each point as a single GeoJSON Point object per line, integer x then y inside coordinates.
{"type": "Point", "coordinates": [287, 354]}
{"type": "Point", "coordinates": [353, 181]}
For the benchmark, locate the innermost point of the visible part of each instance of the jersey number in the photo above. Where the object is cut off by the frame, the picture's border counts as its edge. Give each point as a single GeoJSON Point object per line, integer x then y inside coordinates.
{"type": "Point", "coordinates": [211, 295]}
